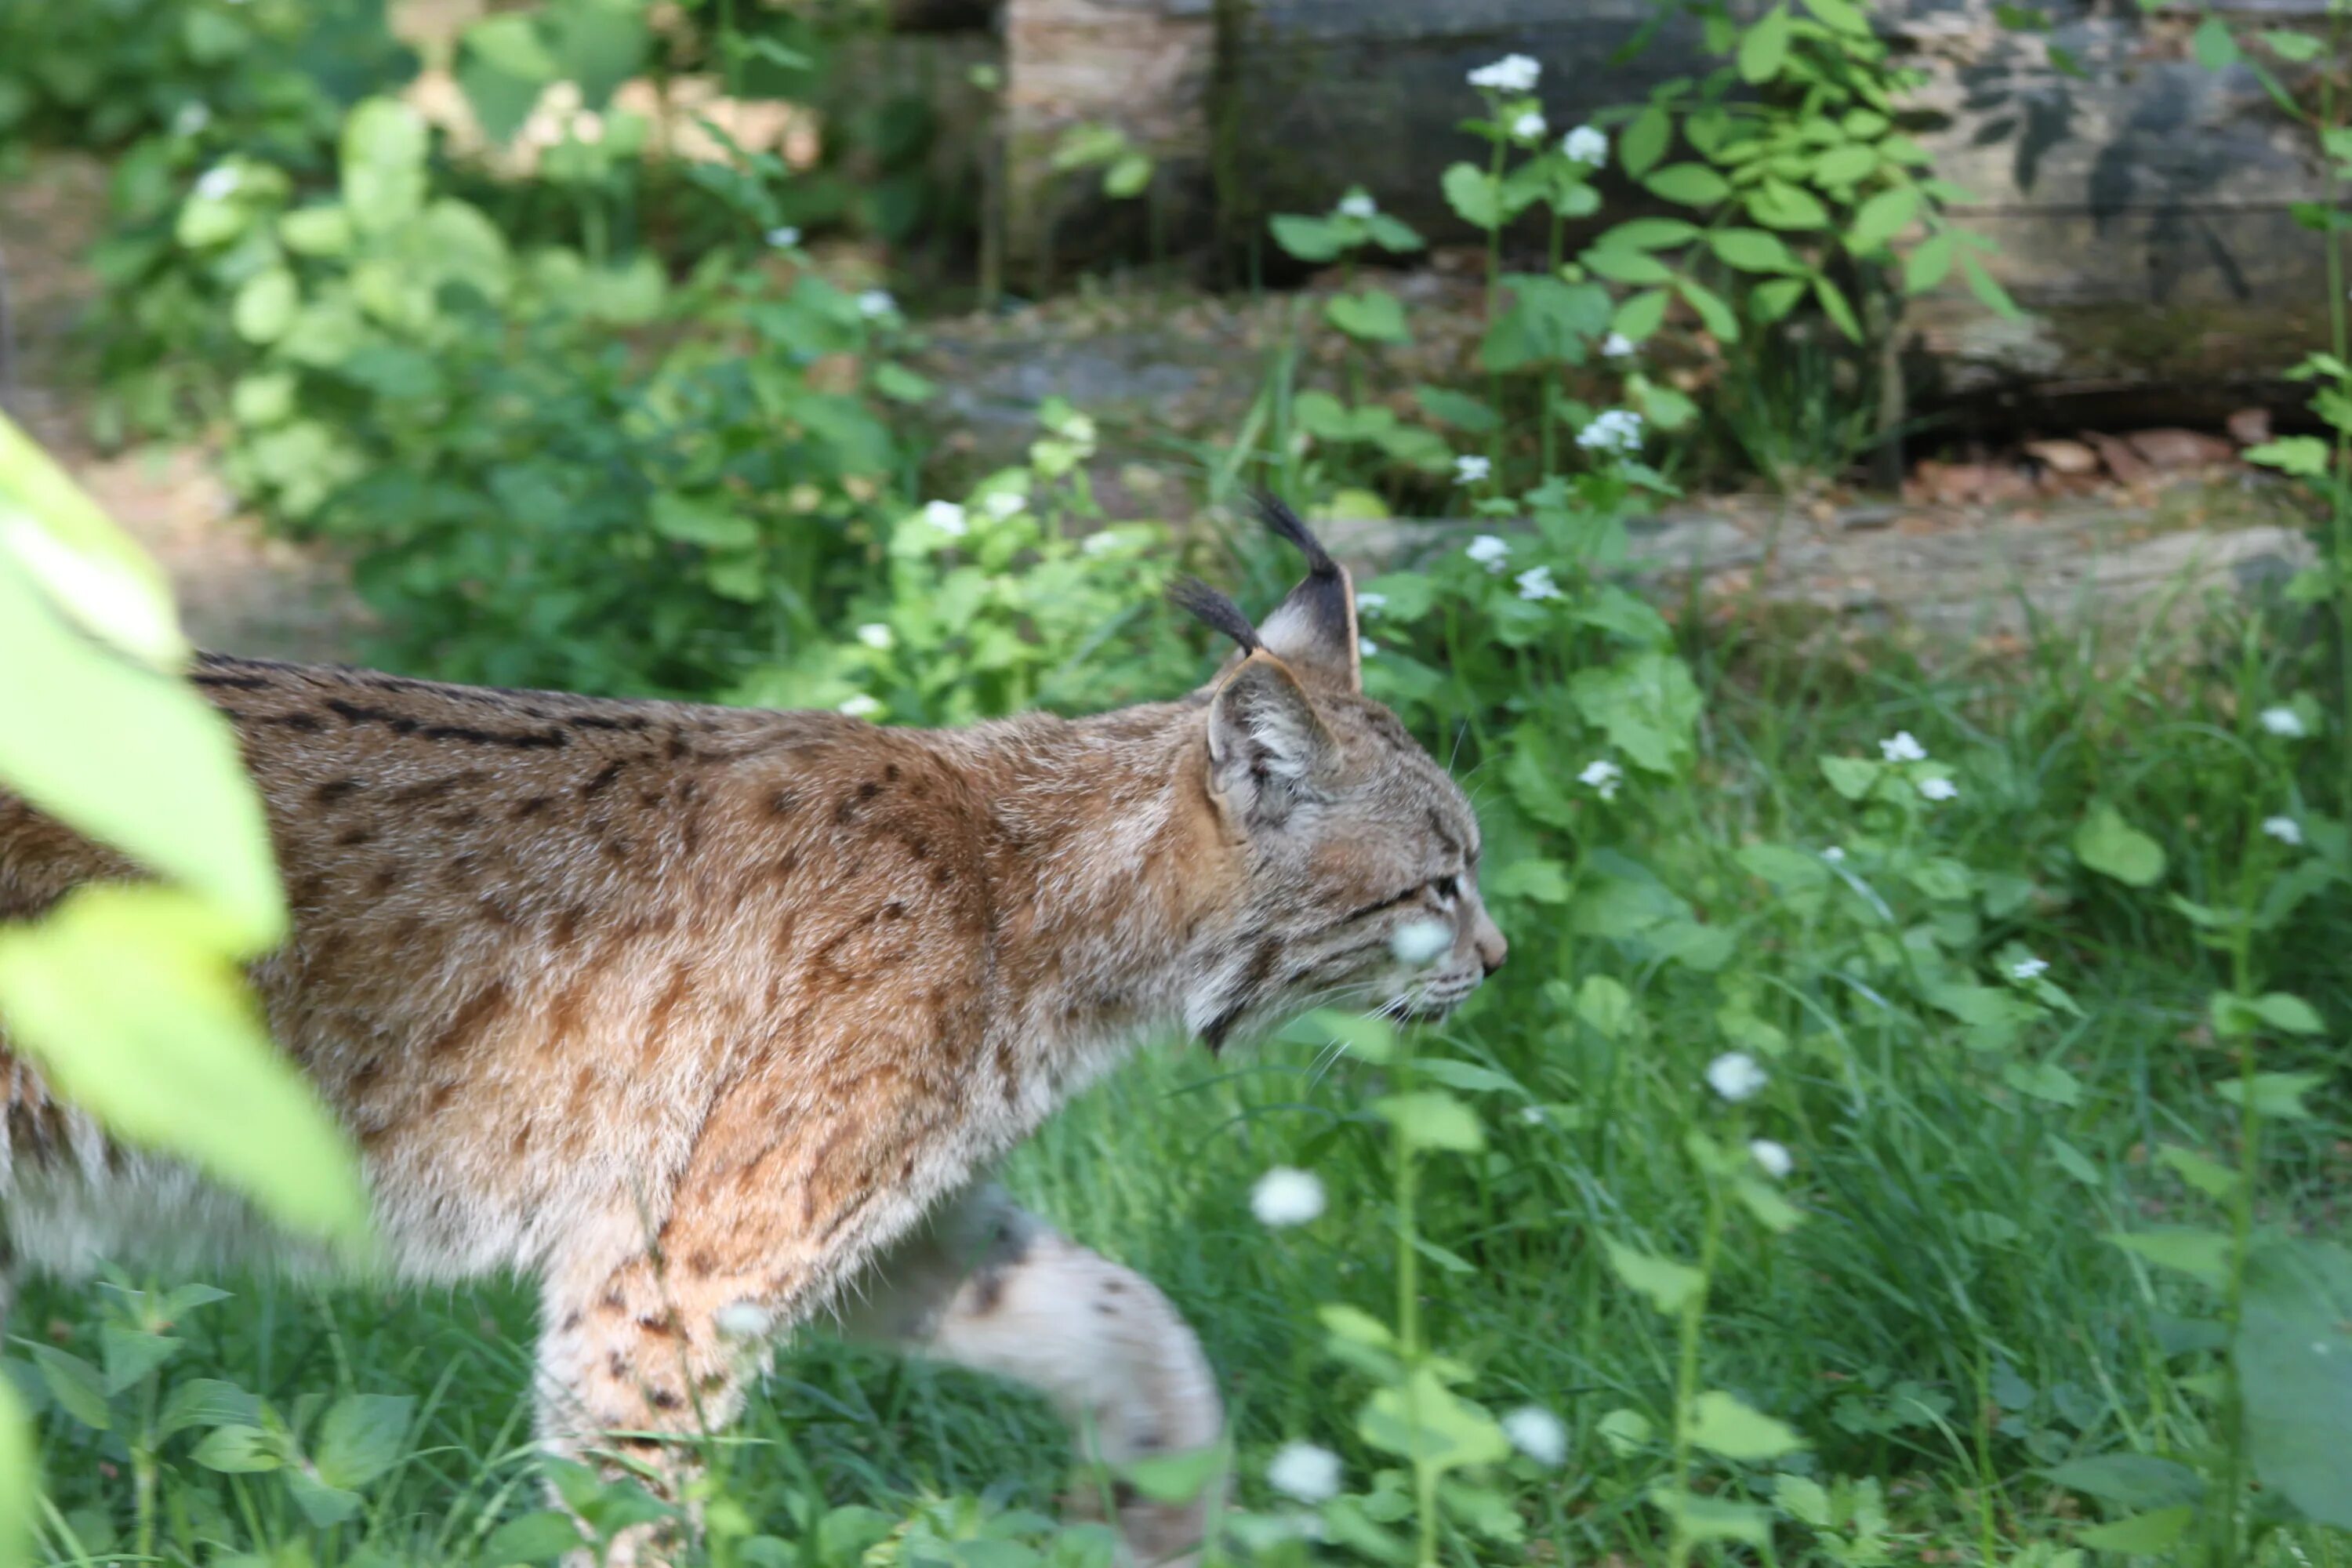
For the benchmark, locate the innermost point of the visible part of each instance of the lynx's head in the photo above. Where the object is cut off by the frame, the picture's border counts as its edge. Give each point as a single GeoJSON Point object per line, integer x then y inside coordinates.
{"type": "Point", "coordinates": [1359, 856]}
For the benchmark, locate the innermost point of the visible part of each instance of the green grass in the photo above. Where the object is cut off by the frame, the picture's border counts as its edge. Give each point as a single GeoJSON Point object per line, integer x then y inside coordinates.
{"type": "Point", "coordinates": [1949, 1319]}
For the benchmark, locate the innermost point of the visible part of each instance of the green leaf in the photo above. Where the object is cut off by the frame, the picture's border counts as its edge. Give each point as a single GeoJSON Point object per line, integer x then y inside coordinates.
{"type": "Point", "coordinates": [264, 306]}
{"type": "Point", "coordinates": [1627, 266]}
{"type": "Point", "coordinates": [2108, 844]}
{"type": "Point", "coordinates": [1851, 777]}
{"type": "Point", "coordinates": [1841, 16]}
{"type": "Point", "coordinates": [1641, 315]}
{"type": "Point", "coordinates": [2208, 1176]}
{"type": "Point", "coordinates": [239, 1449]}
{"type": "Point", "coordinates": [1834, 306]}
{"type": "Point", "coordinates": [541, 1537]}
{"type": "Point", "coordinates": [2288, 1013]}
{"type": "Point", "coordinates": [1752, 250]}
{"type": "Point", "coordinates": [1427, 1420]}
{"type": "Point", "coordinates": [127, 1000]}
{"type": "Point", "coordinates": [2045, 1081]}
{"type": "Point", "coordinates": [1776, 204]}
{"type": "Point", "coordinates": [75, 1384]}
{"type": "Point", "coordinates": [1309, 238]}
{"type": "Point", "coordinates": [131, 1354]}
{"type": "Point", "coordinates": [1458, 409]}
{"type": "Point", "coordinates": [1932, 262]}
{"type": "Point", "coordinates": [1647, 703]}
{"type": "Point", "coordinates": [2305, 456]}
{"type": "Point", "coordinates": [1432, 1119]}
{"type": "Point", "coordinates": [383, 148]}
{"type": "Point", "coordinates": [2294, 1355]}
{"type": "Point", "coordinates": [694, 519]}
{"type": "Point", "coordinates": [1668, 1285]}
{"type": "Point", "coordinates": [1806, 1501]}
{"type": "Point", "coordinates": [2202, 1255]}
{"type": "Point", "coordinates": [1649, 234]}
{"type": "Point", "coordinates": [1988, 289]}
{"type": "Point", "coordinates": [2276, 1095]}
{"type": "Point", "coordinates": [1713, 313]}
{"type": "Point", "coordinates": [2212, 45]}
{"type": "Point", "coordinates": [1538, 881]}
{"type": "Point", "coordinates": [1645, 140]}
{"type": "Point", "coordinates": [1723, 1424]}
{"type": "Point", "coordinates": [2297, 48]}
{"type": "Point", "coordinates": [1175, 1477]}
{"type": "Point", "coordinates": [2131, 1480]}
{"type": "Point", "coordinates": [1714, 1518]}
{"type": "Point", "coordinates": [1373, 316]}
{"type": "Point", "coordinates": [1605, 1004]}
{"type": "Point", "coordinates": [361, 1438]}
{"type": "Point", "coordinates": [1762, 1199]}
{"type": "Point", "coordinates": [1372, 1039]}
{"type": "Point", "coordinates": [322, 1505]}
{"type": "Point", "coordinates": [18, 1471]}
{"type": "Point", "coordinates": [1690, 185]}
{"type": "Point", "coordinates": [1474, 196]}
{"type": "Point", "coordinates": [207, 1402]}
{"type": "Point", "coordinates": [1764, 46]}
{"type": "Point", "coordinates": [2141, 1535]}
{"type": "Point", "coordinates": [1881, 218]}
{"type": "Point", "coordinates": [1127, 176]}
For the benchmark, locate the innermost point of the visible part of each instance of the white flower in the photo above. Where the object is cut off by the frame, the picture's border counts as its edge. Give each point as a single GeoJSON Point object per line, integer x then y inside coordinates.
{"type": "Point", "coordinates": [1488, 552]}
{"type": "Point", "coordinates": [1001, 504]}
{"type": "Point", "coordinates": [1470, 469]}
{"type": "Point", "coordinates": [1538, 1433]}
{"type": "Point", "coordinates": [1529, 126]}
{"type": "Point", "coordinates": [1903, 747]}
{"type": "Point", "coordinates": [947, 517]}
{"type": "Point", "coordinates": [2285, 829]}
{"type": "Point", "coordinates": [1101, 543]}
{"type": "Point", "coordinates": [1304, 1472]}
{"type": "Point", "coordinates": [1736, 1076]}
{"type": "Point", "coordinates": [193, 117]}
{"type": "Point", "coordinates": [1603, 776]}
{"type": "Point", "coordinates": [1079, 428]}
{"type": "Point", "coordinates": [1366, 648]}
{"type": "Point", "coordinates": [1512, 73]}
{"type": "Point", "coordinates": [219, 183]}
{"type": "Point", "coordinates": [1938, 790]}
{"type": "Point", "coordinates": [1773, 1158]}
{"type": "Point", "coordinates": [783, 239]}
{"type": "Point", "coordinates": [876, 303]}
{"type": "Point", "coordinates": [2029, 968]}
{"type": "Point", "coordinates": [1535, 583]}
{"type": "Point", "coordinates": [1612, 430]}
{"type": "Point", "coordinates": [1356, 204]}
{"type": "Point", "coordinates": [1586, 144]}
{"type": "Point", "coordinates": [1370, 604]}
{"type": "Point", "coordinates": [1420, 942]}
{"type": "Point", "coordinates": [1833, 855]}
{"type": "Point", "coordinates": [1533, 1115]}
{"type": "Point", "coordinates": [2283, 722]}
{"type": "Point", "coordinates": [861, 707]}
{"type": "Point", "coordinates": [877, 637]}
{"type": "Point", "coordinates": [1284, 1196]}
{"type": "Point", "coordinates": [1616, 345]}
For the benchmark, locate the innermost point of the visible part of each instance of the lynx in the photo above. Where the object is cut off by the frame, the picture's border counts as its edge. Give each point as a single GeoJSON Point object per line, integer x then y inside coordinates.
{"type": "Point", "coordinates": [713, 1020]}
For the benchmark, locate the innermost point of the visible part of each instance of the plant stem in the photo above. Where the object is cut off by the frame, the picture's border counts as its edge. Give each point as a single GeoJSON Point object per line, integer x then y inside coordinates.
{"type": "Point", "coordinates": [1495, 293]}
{"type": "Point", "coordinates": [1408, 1191]}
{"type": "Point", "coordinates": [1694, 1320]}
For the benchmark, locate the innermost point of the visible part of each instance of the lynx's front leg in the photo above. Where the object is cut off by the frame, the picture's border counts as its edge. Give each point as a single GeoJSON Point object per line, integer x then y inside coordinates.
{"type": "Point", "coordinates": [989, 1286]}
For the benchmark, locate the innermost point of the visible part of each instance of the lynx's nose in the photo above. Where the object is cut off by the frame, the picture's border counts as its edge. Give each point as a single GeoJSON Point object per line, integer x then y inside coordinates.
{"type": "Point", "coordinates": [1492, 947]}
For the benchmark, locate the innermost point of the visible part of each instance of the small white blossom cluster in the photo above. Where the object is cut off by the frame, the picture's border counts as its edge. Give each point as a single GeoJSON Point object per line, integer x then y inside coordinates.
{"type": "Point", "coordinates": [1616, 345]}
{"type": "Point", "coordinates": [2285, 829]}
{"type": "Point", "coordinates": [1284, 1196]}
{"type": "Point", "coordinates": [1586, 145]}
{"type": "Point", "coordinates": [1001, 504]}
{"type": "Point", "coordinates": [784, 237]}
{"type": "Point", "coordinates": [1903, 747]}
{"type": "Point", "coordinates": [877, 637]}
{"type": "Point", "coordinates": [1489, 552]}
{"type": "Point", "coordinates": [1604, 777]}
{"type": "Point", "coordinates": [2029, 968]}
{"type": "Point", "coordinates": [1736, 1076]}
{"type": "Point", "coordinates": [1357, 204]}
{"type": "Point", "coordinates": [1371, 604]}
{"type": "Point", "coordinates": [1366, 648]}
{"type": "Point", "coordinates": [194, 116]}
{"type": "Point", "coordinates": [947, 517]}
{"type": "Point", "coordinates": [1470, 469]}
{"type": "Point", "coordinates": [1615, 430]}
{"type": "Point", "coordinates": [1535, 583]}
{"type": "Point", "coordinates": [1529, 126]}
{"type": "Point", "coordinates": [861, 707]}
{"type": "Point", "coordinates": [1304, 1473]}
{"type": "Point", "coordinates": [2283, 722]}
{"type": "Point", "coordinates": [1538, 1433]}
{"type": "Point", "coordinates": [219, 183]}
{"type": "Point", "coordinates": [876, 304]}
{"type": "Point", "coordinates": [1512, 73]}
{"type": "Point", "coordinates": [1773, 1158]}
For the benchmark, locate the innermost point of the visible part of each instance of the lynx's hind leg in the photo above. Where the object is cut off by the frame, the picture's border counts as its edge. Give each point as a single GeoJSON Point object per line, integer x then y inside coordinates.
{"type": "Point", "coordinates": [989, 1286]}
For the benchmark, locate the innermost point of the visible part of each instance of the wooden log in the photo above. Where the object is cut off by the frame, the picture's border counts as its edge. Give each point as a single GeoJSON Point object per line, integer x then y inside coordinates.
{"type": "Point", "coordinates": [2143, 213]}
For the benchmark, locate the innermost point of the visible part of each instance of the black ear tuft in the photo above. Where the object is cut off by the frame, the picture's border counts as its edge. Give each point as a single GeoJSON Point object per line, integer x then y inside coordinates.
{"type": "Point", "coordinates": [1278, 516]}
{"type": "Point", "coordinates": [1213, 609]}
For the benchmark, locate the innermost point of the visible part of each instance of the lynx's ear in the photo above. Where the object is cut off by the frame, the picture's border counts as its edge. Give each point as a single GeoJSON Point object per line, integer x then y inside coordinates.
{"type": "Point", "coordinates": [1267, 746]}
{"type": "Point", "coordinates": [1314, 629]}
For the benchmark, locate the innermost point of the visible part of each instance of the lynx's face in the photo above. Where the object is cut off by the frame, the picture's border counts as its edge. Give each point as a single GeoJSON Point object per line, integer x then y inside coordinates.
{"type": "Point", "coordinates": [1360, 857]}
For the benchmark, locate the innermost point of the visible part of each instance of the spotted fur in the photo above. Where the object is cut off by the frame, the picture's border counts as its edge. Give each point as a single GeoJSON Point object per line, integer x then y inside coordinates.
{"type": "Point", "coordinates": [696, 1014]}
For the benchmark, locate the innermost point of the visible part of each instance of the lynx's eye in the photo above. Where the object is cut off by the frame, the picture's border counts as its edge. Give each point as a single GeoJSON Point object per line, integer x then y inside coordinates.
{"type": "Point", "coordinates": [1447, 889]}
